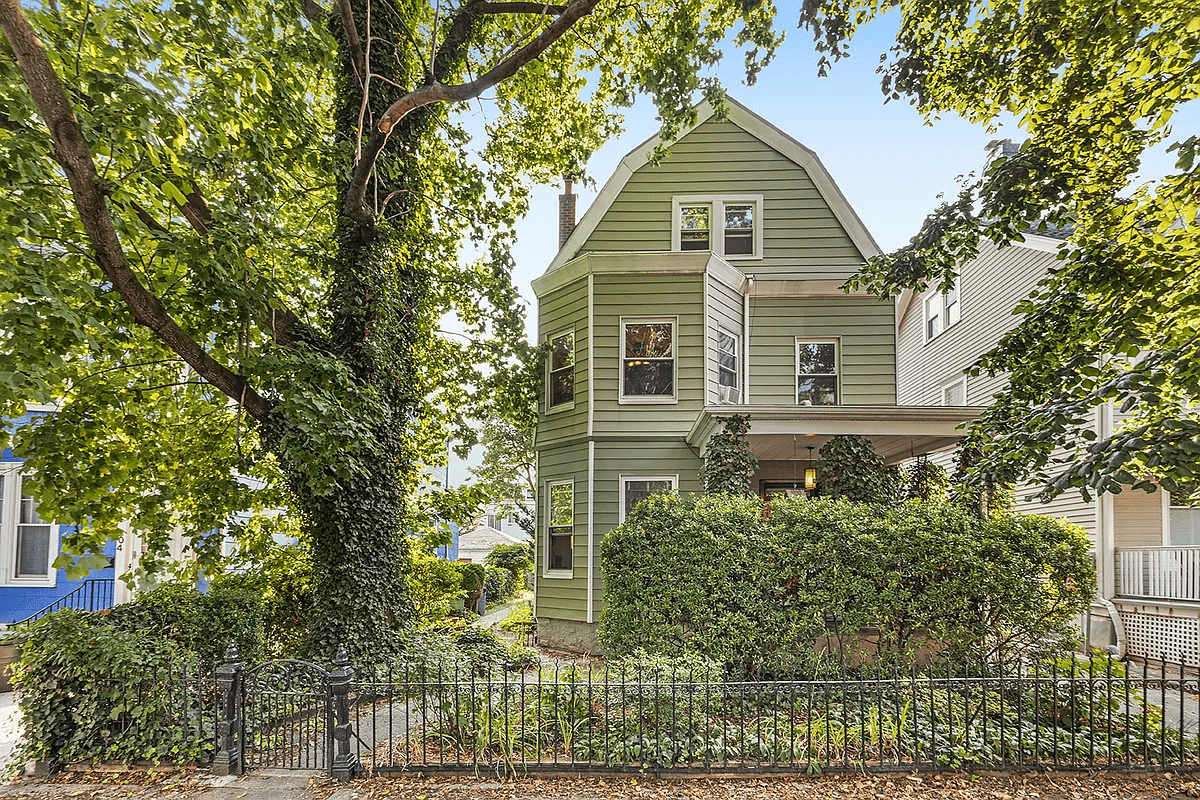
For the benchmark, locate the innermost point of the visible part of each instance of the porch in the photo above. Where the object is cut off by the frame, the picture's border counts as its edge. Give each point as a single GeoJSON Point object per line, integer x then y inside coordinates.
{"type": "Point", "coordinates": [787, 439]}
{"type": "Point", "coordinates": [1158, 599]}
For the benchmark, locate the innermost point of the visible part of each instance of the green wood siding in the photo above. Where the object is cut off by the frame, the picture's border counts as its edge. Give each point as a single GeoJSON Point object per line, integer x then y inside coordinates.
{"type": "Point", "coordinates": [801, 235]}
{"type": "Point", "coordinates": [865, 326]}
{"type": "Point", "coordinates": [565, 308]}
{"type": "Point", "coordinates": [635, 457]}
{"type": "Point", "coordinates": [724, 312]}
{"type": "Point", "coordinates": [643, 295]}
{"type": "Point", "coordinates": [563, 598]}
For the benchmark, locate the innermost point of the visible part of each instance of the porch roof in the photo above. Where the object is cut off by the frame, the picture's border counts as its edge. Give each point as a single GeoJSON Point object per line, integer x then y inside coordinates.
{"type": "Point", "coordinates": [778, 432]}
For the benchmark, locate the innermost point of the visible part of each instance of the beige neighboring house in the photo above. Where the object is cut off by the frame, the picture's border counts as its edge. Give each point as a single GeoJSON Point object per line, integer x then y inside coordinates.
{"type": "Point", "coordinates": [475, 545]}
{"type": "Point", "coordinates": [1147, 558]}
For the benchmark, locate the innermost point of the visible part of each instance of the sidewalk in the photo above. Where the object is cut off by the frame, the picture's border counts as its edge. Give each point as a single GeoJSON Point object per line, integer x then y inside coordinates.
{"type": "Point", "coordinates": [949, 786]}
{"type": "Point", "coordinates": [10, 730]}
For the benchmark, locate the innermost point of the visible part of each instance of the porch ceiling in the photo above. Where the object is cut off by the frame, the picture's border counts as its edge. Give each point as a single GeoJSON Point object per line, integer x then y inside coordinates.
{"type": "Point", "coordinates": [781, 433]}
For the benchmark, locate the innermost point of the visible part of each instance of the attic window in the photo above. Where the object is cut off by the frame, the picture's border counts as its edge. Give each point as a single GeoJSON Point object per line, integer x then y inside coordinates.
{"type": "Point", "coordinates": [694, 227]}
{"type": "Point", "coordinates": [728, 225]}
{"type": "Point", "coordinates": [942, 310]}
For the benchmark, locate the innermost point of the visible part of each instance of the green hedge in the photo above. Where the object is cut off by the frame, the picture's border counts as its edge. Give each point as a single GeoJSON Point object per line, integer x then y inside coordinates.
{"type": "Point", "coordinates": [91, 690]}
{"type": "Point", "coordinates": [500, 584]}
{"type": "Point", "coordinates": [710, 575]}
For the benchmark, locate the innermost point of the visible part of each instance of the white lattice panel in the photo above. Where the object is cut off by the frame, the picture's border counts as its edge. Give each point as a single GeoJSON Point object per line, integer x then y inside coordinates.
{"type": "Point", "coordinates": [1153, 636]}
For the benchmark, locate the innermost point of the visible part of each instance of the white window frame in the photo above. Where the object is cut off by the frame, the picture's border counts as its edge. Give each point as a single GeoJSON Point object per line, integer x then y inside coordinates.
{"type": "Point", "coordinates": [837, 366]}
{"type": "Point", "coordinates": [737, 356]}
{"type": "Point", "coordinates": [547, 571]}
{"type": "Point", "coordinates": [934, 305]}
{"type": "Point", "coordinates": [716, 221]}
{"type": "Point", "coordinates": [621, 480]}
{"type": "Point", "coordinates": [1167, 506]}
{"type": "Point", "coordinates": [551, 409]}
{"type": "Point", "coordinates": [640, 399]}
{"type": "Point", "coordinates": [951, 384]}
{"type": "Point", "coordinates": [10, 517]}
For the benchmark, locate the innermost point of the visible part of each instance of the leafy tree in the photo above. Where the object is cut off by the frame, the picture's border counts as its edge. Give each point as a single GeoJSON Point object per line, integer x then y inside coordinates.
{"type": "Point", "coordinates": [516, 558]}
{"type": "Point", "coordinates": [507, 476]}
{"type": "Point", "coordinates": [230, 231]}
{"type": "Point", "coordinates": [1093, 85]}
{"type": "Point", "coordinates": [729, 463]}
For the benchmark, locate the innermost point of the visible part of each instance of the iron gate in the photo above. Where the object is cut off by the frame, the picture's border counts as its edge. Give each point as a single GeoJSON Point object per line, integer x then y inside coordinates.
{"type": "Point", "coordinates": [284, 714]}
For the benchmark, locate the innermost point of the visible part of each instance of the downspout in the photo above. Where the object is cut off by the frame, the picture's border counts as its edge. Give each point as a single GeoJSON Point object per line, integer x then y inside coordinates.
{"type": "Point", "coordinates": [746, 339]}
{"type": "Point", "coordinates": [1106, 544]}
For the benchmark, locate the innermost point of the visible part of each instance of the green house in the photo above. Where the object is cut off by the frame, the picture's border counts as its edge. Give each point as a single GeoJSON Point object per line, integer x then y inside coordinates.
{"type": "Point", "coordinates": [702, 286]}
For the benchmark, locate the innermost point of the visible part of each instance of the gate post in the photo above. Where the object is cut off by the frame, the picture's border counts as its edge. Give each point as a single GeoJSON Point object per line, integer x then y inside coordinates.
{"type": "Point", "coordinates": [228, 760]}
{"type": "Point", "coordinates": [345, 764]}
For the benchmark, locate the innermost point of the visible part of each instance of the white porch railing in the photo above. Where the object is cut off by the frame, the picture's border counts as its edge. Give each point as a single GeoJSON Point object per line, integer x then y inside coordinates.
{"type": "Point", "coordinates": [1163, 573]}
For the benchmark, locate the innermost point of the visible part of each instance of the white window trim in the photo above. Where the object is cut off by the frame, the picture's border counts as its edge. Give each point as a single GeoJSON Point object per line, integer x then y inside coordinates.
{"type": "Point", "coordinates": [737, 355]}
{"type": "Point", "coordinates": [621, 479]}
{"type": "Point", "coordinates": [549, 363]}
{"type": "Point", "coordinates": [9, 520]}
{"type": "Point", "coordinates": [673, 321]}
{"type": "Point", "coordinates": [1167, 505]}
{"type": "Point", "coordinates": [547, 572]}
{"type": "Point", "coordinates": [943, 311]}
{"type": "Point", "coordinates": [956, 382]}
{"type": "Point", "coordinates": [716, 221]}
{"type": "Point", "coordinates": [837, 365]}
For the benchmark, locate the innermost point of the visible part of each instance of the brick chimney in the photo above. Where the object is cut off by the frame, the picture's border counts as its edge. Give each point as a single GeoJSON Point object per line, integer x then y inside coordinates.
{"type": "Point", "coordinates": [566, 213]}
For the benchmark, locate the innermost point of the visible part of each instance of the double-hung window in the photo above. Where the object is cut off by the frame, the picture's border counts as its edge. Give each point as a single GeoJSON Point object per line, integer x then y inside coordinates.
{"type": "Point", "coordinates": [648, 361]}
{"type": "Point", "coordinates": [817, 372]}
{"type": "Point", "coordinates": [26, 540]}
{"type": "Point", "coordinates": [562, 370]}
{"type": "Point", "coordinates": [727, 367]}
{"type": "Point", "coordinates": [942, 310]}
{"type": "Point", "coordinates": [730, 225]}
{"type": "Point", "coordinates": [636, 488]}
{"type": "Point", "coordinates": [560, 526]}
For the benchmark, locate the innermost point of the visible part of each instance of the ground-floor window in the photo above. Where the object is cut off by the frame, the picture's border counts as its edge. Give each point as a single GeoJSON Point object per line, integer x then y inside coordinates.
{"type": "Point", "coordinates": [560, 516]}
{"type": "Point", "coordinates": [26, 540]}
{"type": "Point", "coordinates": [636, 488]}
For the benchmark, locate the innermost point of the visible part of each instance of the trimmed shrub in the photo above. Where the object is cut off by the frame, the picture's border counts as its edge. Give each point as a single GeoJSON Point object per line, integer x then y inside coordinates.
{"type": "Point", "coordinates": [200, 624]}
{"type": "Point", "coordinates": [686, 573]}
{"type": "Point", "coordinates": [434, 585]}
{"type": "Point", "coordinates": [516, 558]}
{"type": "Point", "coordinates": [708, 575]}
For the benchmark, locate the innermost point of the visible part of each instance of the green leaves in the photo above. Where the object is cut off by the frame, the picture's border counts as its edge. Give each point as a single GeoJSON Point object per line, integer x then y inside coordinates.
{"type": "Point", "coordinates": [1093, 88]}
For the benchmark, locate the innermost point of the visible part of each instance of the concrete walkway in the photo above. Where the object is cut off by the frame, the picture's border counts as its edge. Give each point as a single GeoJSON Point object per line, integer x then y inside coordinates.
{"type": "Point", "coordinates": [10, 729]}
{"type": "Point", "coordinates": [492, 617]}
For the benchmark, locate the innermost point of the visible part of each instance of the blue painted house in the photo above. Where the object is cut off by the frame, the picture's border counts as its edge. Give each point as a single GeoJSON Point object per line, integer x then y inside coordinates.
{"type": "Point", "coordinates": [29, 545]}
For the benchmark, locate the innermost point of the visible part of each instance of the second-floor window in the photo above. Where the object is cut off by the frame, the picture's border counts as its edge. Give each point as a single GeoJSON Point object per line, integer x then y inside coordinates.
{"type": "Point", "coordinates": [816, 372]}
{"type": "Point", "coordinates": [955, 393]}
{"type": "Point", "coordinates": [942, 310]}
{"type": "Point", "coordinates": [648, 360]}
{"type": "Point", "coordinates": [28, 540]}
{"type": "Point", "coordinates": [729, 225]}
{"type": "Point", "coordinates": [562, 370]}
{"type": "Point", "coordinates": [727, 366]}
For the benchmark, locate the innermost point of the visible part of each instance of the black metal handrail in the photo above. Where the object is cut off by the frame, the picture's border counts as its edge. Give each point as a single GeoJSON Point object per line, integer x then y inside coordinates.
{"type": "Point", "coordinates": [94, 594]}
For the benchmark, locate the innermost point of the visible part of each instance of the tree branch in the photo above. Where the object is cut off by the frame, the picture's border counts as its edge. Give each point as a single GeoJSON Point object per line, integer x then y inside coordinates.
{"type": "Point", "coordinates": [353, 205]}
{"type": "Point", "coordinates": [346, 12]}
{"type": "Point", "coordinates": [72, 153]}
{"type": "Point", "coordinates": [517, 8]}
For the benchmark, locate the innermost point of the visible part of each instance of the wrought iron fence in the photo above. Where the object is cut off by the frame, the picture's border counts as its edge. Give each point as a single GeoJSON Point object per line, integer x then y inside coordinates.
{"type": "Point", "coordinates": [1085, 712]}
